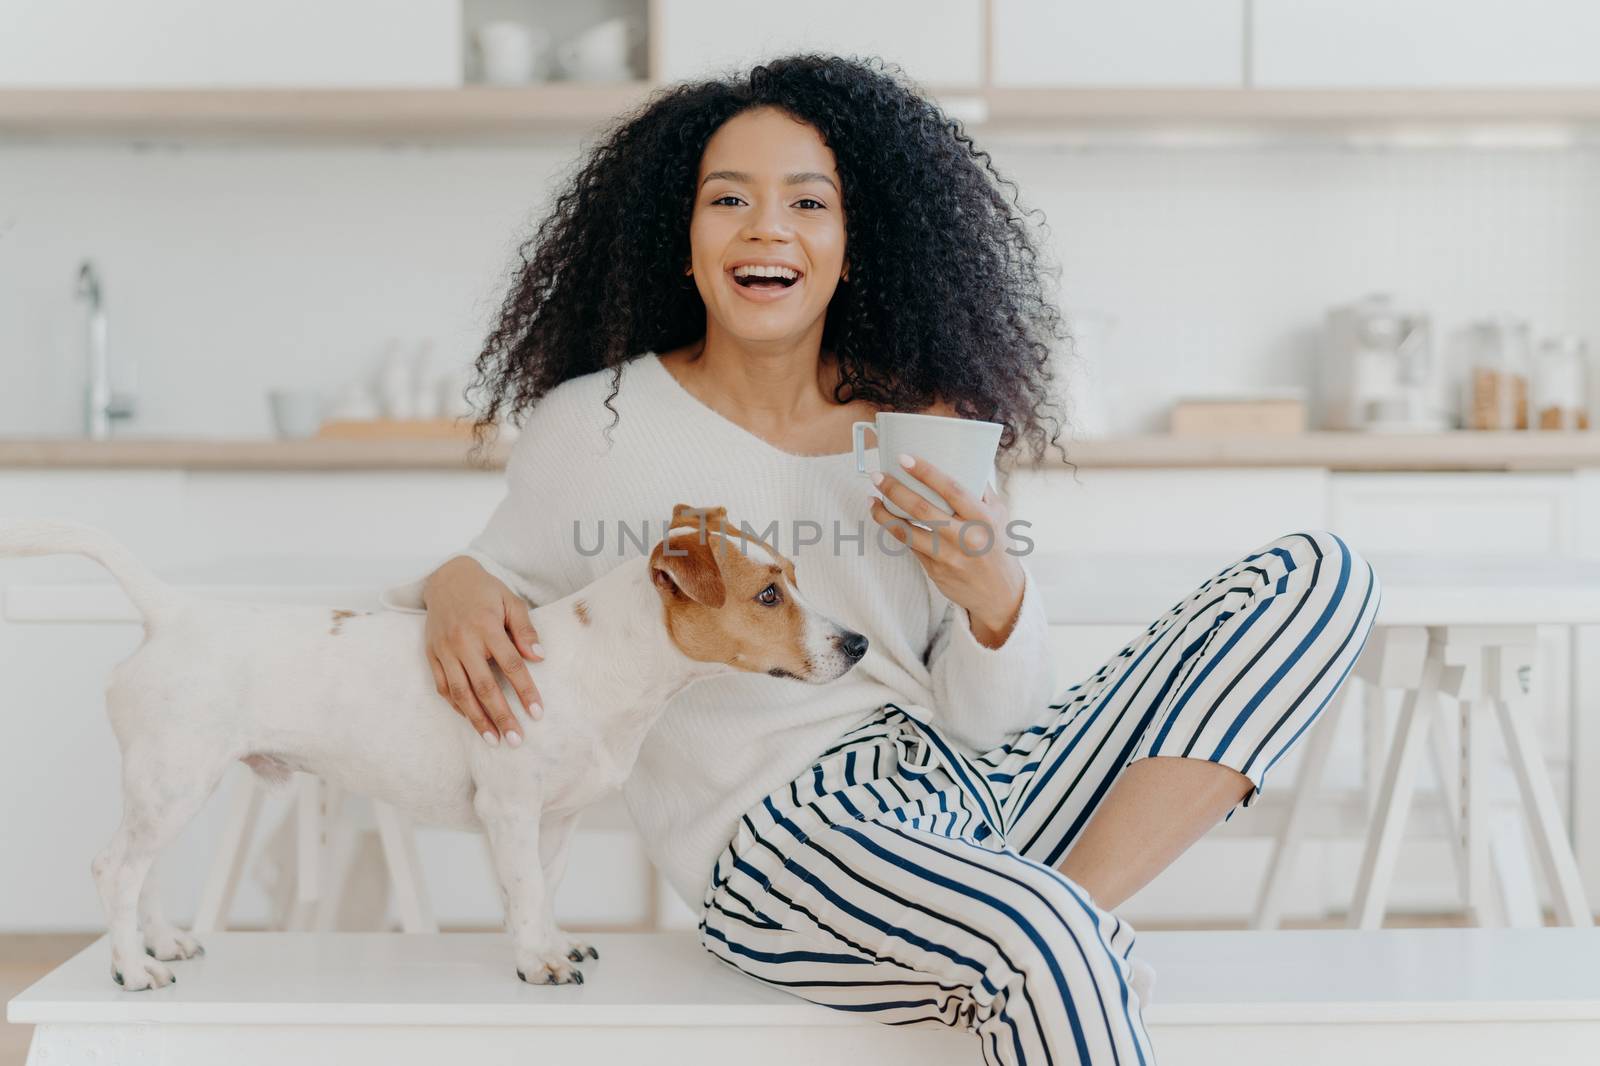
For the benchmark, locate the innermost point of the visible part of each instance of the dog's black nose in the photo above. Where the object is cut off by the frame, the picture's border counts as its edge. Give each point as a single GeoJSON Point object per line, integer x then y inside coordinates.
{"type": "Point", "coordinates": [854, 645]}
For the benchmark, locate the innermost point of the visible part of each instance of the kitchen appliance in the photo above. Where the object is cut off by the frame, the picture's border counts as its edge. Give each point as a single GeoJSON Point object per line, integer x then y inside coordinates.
{"type": "Point", "coordinates": [1377, 371]}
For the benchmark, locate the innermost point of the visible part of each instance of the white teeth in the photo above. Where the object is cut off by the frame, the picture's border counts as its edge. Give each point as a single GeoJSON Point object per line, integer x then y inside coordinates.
{"type": "Point", "coordinates": [765, 272]}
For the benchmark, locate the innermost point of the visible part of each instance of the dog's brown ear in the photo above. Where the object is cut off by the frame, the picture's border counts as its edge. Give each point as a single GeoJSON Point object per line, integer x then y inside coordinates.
{"type": "Point", "coordinates": [689, 569]}
{"type": "Point", "coordinates": [709, 518]}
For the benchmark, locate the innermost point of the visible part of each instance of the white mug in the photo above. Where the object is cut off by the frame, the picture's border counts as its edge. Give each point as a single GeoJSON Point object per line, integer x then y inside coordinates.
{"type": "Point", "coordinates": [296, 412]}
{"type": "Point", "coordinates": [964, 448]}
{"type": "Point", "coordinates": [600, 53]}
{"type": "Point", "coordinates": [510, 51]}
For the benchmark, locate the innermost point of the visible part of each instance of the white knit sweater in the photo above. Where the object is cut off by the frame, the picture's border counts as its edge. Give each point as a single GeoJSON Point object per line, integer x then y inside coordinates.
{"type": "Point", "coordinates": [728, 740]}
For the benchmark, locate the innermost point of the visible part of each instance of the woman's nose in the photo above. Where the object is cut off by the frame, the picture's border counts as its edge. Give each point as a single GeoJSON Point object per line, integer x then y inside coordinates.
{"type": "Point", "coordinates": [767, 221]}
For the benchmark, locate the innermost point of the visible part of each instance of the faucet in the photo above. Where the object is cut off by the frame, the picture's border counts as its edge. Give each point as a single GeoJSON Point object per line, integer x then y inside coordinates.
{"type": "Point", "coordinates": [101, 403]}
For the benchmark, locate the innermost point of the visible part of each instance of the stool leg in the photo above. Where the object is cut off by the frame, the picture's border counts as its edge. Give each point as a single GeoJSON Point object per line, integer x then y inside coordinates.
{"type": "Point", "coordinates": [1374, 743]}
{"type": "Point", "coordinates": [337, 858]}
{"type": "Point", "coordinates": [1269, 906]}
{"type": "Point", "coordinates": [310, 836]}
{"type": "Point", "coordinates": [1394, 800]}
{"type": "Point", "coordinates": [400, 849]}
{"type": "Point", "coordinates": [1513, 873]}
{"type": "Point", "coordinates": [1550, 838]}
{"type": "Point", "coordinates": [222, 881]}
{"type": "Point", "coordinates": [1476, 889]}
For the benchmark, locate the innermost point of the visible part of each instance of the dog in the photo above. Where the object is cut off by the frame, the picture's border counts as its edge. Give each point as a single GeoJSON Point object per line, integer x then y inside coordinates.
{"type": "Point", "coordinates": [350, 697]}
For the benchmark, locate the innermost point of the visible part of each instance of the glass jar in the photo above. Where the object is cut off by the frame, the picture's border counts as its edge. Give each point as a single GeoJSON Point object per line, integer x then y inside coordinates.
{"type": "Point", "coordinates": [1561, 384]}
{"type": "Point", "coordinates": [1496, 382]}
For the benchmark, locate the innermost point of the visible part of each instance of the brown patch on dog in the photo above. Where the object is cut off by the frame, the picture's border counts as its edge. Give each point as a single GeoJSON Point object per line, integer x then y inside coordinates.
{"type": "Point", "coordinates": [339, 615]}
{"type": "Point", "coordinates": [581, 609]}
{"type": "Point", "coordinates": [711, 591]}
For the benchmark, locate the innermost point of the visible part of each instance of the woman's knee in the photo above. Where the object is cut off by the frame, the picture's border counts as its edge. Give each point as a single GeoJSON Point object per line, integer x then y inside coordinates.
{"type": "Point", "coordinates": [1327, 566]}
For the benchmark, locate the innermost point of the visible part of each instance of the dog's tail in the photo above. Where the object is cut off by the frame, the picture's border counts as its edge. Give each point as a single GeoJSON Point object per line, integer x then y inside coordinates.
{"type": "Point", "coordinates": [153, 597]}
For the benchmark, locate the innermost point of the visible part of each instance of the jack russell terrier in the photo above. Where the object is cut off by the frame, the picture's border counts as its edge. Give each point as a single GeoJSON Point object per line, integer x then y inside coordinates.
{"type": "Point", "coordinates": [350, 698]}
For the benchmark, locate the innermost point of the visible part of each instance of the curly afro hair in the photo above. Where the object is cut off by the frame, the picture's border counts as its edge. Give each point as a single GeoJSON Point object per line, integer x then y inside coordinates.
{"type": "Point", "coordinates": [944, 302]}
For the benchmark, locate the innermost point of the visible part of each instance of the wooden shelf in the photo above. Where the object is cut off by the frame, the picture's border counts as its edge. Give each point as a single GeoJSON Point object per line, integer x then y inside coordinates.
{"type": "Point", "coordinates": [488, 114]}
{"type": "Point", "coordinates": [472, 113]}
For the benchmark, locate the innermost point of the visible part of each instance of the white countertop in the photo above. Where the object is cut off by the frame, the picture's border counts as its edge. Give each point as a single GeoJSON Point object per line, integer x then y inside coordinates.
{"type": "Point", "coordinates": [1336, 451]}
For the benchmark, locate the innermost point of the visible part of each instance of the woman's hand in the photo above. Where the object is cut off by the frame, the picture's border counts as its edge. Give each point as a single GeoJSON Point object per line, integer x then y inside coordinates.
{"type": "Point", "coordinates": [963, 553]}
{"type": "Point", "coordinates": [475, 620]}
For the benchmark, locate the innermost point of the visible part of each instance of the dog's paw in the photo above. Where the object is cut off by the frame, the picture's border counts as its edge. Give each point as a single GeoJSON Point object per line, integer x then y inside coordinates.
{"type": "Point", "coordinates": [551, 972]}
{"type": "Point", "coordinates": [171, 944]}
{"type": "Point", "coordinates": [577, 951]}
{"type": "Point", "coordinates": [136, 975]}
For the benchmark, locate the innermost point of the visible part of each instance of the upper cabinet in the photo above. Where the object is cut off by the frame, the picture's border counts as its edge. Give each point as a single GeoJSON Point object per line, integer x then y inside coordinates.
{"type": "Point", "coordinates": [229, 44]}
{"type": "Point", "coordinates": [938, 43]}
{"type": "Point", "coordinates": [1144, 43]}
{"type": "Point", "coordinates": [1427, 44]}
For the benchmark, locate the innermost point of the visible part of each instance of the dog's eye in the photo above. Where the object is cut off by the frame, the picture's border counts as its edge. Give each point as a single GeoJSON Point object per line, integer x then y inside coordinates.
{"type": "Point", "coordinates": [769, 596]}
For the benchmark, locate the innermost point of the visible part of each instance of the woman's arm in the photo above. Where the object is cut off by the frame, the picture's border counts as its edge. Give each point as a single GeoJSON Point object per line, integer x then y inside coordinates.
{"type": "Point", "coordinates": [477, 602]}
{"type": "Point", "coordinates": [985, 695]}
{"type": "Point", "coordinates": [475, 620]}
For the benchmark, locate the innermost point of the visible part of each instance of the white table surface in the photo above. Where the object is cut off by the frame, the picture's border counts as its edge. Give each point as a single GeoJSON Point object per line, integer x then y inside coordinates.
{"type": "Point", "coordinates": [1202, 978]}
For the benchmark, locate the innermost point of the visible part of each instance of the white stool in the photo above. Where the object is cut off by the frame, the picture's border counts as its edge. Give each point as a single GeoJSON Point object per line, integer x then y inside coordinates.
{"type": "Point", "coordinates": [1480, 666]}
{"type": "Point", "coordinates": [326, 831]}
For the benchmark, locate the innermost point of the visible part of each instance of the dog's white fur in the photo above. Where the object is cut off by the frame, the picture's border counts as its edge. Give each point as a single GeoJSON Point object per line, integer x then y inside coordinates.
{"type": "Point", "coordinates": [350, 697]}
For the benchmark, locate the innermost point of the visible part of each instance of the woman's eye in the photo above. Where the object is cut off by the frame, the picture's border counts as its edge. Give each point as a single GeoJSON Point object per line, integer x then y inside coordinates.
{"type": "Point", "coordinates": [768, 595]}
{"type": "Point", "coordinates": [730, 196]}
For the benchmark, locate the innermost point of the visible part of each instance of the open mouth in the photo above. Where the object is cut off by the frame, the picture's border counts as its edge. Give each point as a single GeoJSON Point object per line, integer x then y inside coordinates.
{"type": "Point", "coordinates": [751, 281]}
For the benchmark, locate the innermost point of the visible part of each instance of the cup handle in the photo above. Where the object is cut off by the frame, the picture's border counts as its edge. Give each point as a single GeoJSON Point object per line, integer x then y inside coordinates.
{"type": "Point", "coordinates": [858, 440]}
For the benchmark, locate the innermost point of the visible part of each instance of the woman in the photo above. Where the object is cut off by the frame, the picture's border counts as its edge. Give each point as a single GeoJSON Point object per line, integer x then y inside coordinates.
{"type": "Point", "coordinates": [939, 836]}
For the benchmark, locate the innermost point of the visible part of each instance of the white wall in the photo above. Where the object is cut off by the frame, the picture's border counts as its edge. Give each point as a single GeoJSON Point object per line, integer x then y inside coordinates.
{"type": "Point", "coordinates": [229, 271]}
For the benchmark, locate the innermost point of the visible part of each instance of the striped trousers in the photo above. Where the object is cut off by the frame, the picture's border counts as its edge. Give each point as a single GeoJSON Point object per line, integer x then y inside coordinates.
{"type": "Point", "coordinates": [907, 879]}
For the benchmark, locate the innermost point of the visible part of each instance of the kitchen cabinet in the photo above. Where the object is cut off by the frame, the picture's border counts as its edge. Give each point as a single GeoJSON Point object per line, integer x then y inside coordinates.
{"type": "Point", "coordinates": [1425, 44]}
{"type": "Point", "coordinates": [1143, 43]}
{"type": "Point", "coordinates": [937, 42]}
{"type": "Point", "coordinates": [204, 44]}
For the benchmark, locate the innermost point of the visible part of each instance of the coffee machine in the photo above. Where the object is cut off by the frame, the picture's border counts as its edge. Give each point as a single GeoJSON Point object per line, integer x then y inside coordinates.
{"type": "Point", "coordinates": [1377, 370]}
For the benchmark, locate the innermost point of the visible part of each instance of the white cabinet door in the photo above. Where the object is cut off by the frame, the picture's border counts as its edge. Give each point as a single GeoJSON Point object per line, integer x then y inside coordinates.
{"type": "Point", "coordinates": [937, 42]}
{"type": "Point", "coordinates": [212, 44]}
{"type": "Point", "coordinates": [1425, 43]}
{"type": "Point", "coordinates": [1460, 514]}
{"type": "Point", "coordinates": [1128, 43]}
{"type": "Point", "coordinates": [1211, 513]}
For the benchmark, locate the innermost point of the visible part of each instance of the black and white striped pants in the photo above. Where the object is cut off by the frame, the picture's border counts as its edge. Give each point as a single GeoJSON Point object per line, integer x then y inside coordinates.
{"type": "Point", "coordinates": [902, 877]}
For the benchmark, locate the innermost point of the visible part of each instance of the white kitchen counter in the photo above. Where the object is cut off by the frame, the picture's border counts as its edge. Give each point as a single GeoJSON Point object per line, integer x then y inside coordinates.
{"type": "Point", "coordinates": [1334, 451]}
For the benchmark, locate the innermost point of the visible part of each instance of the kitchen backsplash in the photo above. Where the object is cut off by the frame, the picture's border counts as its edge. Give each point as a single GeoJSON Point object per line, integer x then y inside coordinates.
{"type": "Point", "coordinates": [229, 272]}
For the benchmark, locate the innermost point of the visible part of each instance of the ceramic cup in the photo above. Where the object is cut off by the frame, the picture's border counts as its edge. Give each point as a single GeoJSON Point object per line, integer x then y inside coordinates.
{"type": "Point", "coordinates": [296, 412]}
{"type": "Point", "coordinates": [510, 50]}
{"type": "Point", "coordinates": [600, 53]}
{"type": "Point", "coordinates": [964, 448]}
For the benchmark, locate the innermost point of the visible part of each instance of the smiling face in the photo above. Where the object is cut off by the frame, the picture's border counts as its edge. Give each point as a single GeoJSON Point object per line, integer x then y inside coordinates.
{"type": "Point", "coordinates": [734, 600]}
{"type": "Point", "coordinates": [767, 192]}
